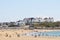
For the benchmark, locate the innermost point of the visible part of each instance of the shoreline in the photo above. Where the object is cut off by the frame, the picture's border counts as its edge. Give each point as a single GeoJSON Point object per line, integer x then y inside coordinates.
{"type": "Point", "coordinates": [41, 30]}
{"type": "Point", "coordinates": [14, 35]}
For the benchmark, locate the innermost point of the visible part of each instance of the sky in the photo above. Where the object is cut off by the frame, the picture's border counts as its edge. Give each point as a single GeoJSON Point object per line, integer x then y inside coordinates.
{"type": "Point", "coordinates": [13, 10]}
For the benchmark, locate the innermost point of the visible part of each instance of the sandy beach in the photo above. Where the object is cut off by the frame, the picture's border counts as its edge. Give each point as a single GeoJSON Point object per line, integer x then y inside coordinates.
{"type": "Point", "coordinates": [13, 34]}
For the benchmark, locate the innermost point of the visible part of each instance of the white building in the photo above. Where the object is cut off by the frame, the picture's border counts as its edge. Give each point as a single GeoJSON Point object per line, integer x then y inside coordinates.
{"type": "Point", "coordinates": [21, 23]}
{"type": "Point", "coordinates": [4, 24]}
{"type": "Point", "coordinates": [48, 19]}
{"type": "Point", "coordinates": [37, 20]}
{"type": "Point", "coordinates": [29, 20]}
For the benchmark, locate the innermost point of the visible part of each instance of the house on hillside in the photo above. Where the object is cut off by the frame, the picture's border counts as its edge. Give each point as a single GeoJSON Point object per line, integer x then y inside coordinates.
{"type": "Point", "coordinates": [4, 24]}
{"type": "Point", "coordinates": [28, 20]}
{"type": "Point", "coordinates": [48, 19]}
{"type": "Point", "coordinates": [21, 23]}
{"type": "Point", "coordinates": [37, 20]}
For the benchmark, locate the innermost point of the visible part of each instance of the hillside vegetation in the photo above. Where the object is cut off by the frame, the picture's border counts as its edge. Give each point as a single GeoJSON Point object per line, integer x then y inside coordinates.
{"type": "Point", "coordinates": [47, 25]}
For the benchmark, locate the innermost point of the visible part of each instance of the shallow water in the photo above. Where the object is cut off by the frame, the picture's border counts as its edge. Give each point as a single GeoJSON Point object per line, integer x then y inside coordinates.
{"type": "Point", "coordinates": [52, 33]}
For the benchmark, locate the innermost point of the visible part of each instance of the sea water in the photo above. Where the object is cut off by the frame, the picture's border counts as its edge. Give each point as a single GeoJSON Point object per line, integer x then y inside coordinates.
{"type": "Point", "coordinates": [52, 33]}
